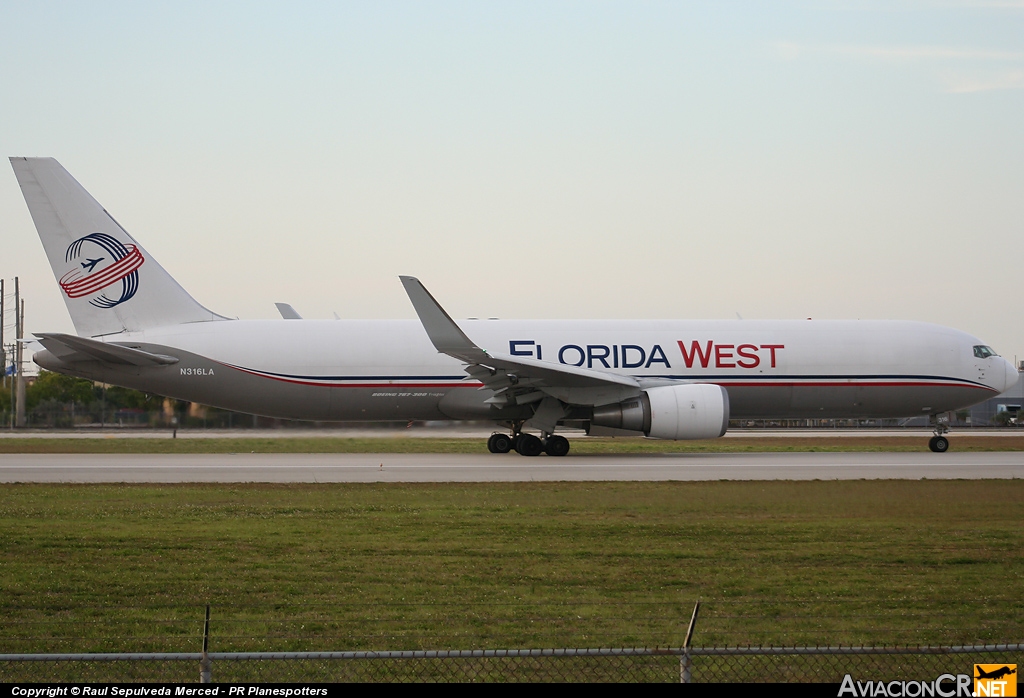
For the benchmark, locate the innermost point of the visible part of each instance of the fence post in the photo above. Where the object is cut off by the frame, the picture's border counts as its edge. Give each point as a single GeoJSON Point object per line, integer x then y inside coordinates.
{"type": "Point", "coordinates": [684, 658]}
{"type": "Point", "coordinates": [205, 664]}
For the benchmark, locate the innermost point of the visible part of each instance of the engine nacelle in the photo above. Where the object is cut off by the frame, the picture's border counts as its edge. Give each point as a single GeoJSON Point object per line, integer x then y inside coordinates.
{"type": "Point", "coordinates": [692, 411]}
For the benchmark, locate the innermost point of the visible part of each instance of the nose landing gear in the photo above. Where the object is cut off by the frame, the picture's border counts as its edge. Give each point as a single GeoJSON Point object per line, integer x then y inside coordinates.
{"type": "Point", "coordinates": [939, 443]}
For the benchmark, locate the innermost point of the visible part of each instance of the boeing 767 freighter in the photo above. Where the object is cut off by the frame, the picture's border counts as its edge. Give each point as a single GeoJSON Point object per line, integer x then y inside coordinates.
{"type": "Point", "coordinates": [663, 379]}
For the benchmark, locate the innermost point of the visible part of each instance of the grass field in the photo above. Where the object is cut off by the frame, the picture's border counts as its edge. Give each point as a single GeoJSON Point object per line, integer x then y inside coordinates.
{"type": "Point", "coordinates": [389, 566]}
{"type": "Point", "coordinates": [454, 445]}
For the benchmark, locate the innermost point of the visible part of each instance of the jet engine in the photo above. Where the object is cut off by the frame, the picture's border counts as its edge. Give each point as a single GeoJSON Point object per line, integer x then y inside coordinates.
{"type": "Point", "coordinates": [691, 411]}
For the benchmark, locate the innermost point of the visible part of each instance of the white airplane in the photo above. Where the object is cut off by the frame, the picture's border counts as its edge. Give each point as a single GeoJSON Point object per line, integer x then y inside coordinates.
{"type": "Point", "coordinates": [664, 379]}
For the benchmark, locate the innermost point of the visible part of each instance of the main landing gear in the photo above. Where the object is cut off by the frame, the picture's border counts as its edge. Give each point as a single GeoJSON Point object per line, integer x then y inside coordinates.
{"type": "Point", "coordinates": [499, 443]}
{"type": "Point", "coordinates": [939, 443]}
{"type": "Point", "coordinates": [528, 444]}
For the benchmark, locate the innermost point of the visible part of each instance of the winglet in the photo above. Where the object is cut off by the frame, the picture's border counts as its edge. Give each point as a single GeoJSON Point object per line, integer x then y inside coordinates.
{"type": "Point", "coordinates": [287, 311]}
{"type": "Point", "coordinates": [569, 384]}
{"type": "Point", "coordinates": [445, 335]}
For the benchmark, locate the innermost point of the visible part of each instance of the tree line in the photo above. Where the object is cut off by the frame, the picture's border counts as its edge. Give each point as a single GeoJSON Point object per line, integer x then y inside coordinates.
{"type": "Point", "coordinates": [57, 400]}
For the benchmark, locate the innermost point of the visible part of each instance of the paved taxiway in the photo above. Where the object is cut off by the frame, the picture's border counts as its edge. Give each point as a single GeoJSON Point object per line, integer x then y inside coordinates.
{"type": "Point", "coordinates": [362, 467]}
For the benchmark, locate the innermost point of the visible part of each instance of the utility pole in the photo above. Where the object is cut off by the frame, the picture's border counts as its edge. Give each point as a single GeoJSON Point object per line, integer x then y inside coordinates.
{"type": "Point", "coordinates": [19, 378]}
{"type": "Point", "coordinates": [3, 353]}
{"type": "Point", "coordinates": [3, 349]}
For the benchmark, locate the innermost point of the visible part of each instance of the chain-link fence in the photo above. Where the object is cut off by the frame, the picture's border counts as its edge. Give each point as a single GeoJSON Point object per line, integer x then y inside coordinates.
{"type": "Point", "coordinates": [635, 665]}
{"type": "Point", "coordinates": [42, 641]}
{"type": "Point", "coordinates": [250, 625]}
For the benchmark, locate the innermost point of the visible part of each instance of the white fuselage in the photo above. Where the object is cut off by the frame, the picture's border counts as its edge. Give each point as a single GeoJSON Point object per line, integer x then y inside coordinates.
{"type": "Point", "coordinates": [373, 369]}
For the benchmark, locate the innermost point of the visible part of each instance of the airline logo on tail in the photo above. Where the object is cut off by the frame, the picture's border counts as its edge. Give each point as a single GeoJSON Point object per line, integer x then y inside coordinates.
{"type": "Point", "coordinates": [101, 261]}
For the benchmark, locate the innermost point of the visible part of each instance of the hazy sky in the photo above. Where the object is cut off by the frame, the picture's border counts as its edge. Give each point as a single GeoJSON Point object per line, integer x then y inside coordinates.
{"type": "Point", "coordinates": [584, 159]}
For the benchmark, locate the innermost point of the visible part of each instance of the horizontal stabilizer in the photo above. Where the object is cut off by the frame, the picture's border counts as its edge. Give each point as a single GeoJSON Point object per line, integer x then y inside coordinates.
{"type": "Point", "coordinates": [71, 349]}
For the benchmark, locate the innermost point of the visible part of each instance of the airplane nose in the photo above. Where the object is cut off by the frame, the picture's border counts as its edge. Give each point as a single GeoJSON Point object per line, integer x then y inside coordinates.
{"type": "Point", "coordinates": [1012, 376]}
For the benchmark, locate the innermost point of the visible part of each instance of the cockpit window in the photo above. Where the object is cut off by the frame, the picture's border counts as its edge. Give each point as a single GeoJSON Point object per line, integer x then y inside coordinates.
{"type": "Point", "coordinates": [983, 352]}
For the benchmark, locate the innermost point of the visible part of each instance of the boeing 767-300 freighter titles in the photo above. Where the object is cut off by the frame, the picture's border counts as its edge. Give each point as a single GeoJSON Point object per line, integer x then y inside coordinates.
{"type": "Point", "coordinates": [664, 379]}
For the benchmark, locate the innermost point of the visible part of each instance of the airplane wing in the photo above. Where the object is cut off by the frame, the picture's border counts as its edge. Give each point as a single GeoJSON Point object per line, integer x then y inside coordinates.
{"type": "Point", "coordinates": [72, 349]}
{"type": "Point", "coordinates": [514, 379]}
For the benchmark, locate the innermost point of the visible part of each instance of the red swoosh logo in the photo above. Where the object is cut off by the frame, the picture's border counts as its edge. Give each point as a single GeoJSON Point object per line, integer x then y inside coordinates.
{"type": "Point", "coordinates": [75, 285]}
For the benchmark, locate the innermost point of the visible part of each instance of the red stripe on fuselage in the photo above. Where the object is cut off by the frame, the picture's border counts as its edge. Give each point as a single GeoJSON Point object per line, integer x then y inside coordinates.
{"type": "Point", "coordinates": [296, 381]}
{"type": "Point", "coordinates": [727, 383]}
{"type": "Point", "coordinates": [852, 384]}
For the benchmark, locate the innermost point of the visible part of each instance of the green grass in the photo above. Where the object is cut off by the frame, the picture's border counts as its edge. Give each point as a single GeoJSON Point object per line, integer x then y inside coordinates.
{"type": "Point", "coordinates": [407, 566]}
{"type": "Point", "coordinates": [580, 446]}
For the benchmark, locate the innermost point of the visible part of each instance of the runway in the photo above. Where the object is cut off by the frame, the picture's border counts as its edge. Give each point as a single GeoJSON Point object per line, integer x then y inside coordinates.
{"type": "Point", "coordinates": [246, 467]}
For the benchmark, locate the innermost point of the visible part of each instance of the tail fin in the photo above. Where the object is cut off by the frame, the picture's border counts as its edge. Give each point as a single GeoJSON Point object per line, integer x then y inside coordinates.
{"type": "Point", "coordinates": [110, 283]}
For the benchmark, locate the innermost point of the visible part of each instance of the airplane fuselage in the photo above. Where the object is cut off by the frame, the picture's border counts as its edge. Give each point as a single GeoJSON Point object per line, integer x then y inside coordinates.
{"type": "Point", "coordinates": [356, 370]}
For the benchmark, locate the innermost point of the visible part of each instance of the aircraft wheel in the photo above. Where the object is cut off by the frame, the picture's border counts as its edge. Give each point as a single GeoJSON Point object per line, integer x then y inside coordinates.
{"type": "Point", "coordinates": [557, 446]}
{"type": "Point", "coordinates": [938, 444]}
{"type": "Point", "coordinates": [529, 445]}
{"type": "Point", "coordinates": [499, 443]}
